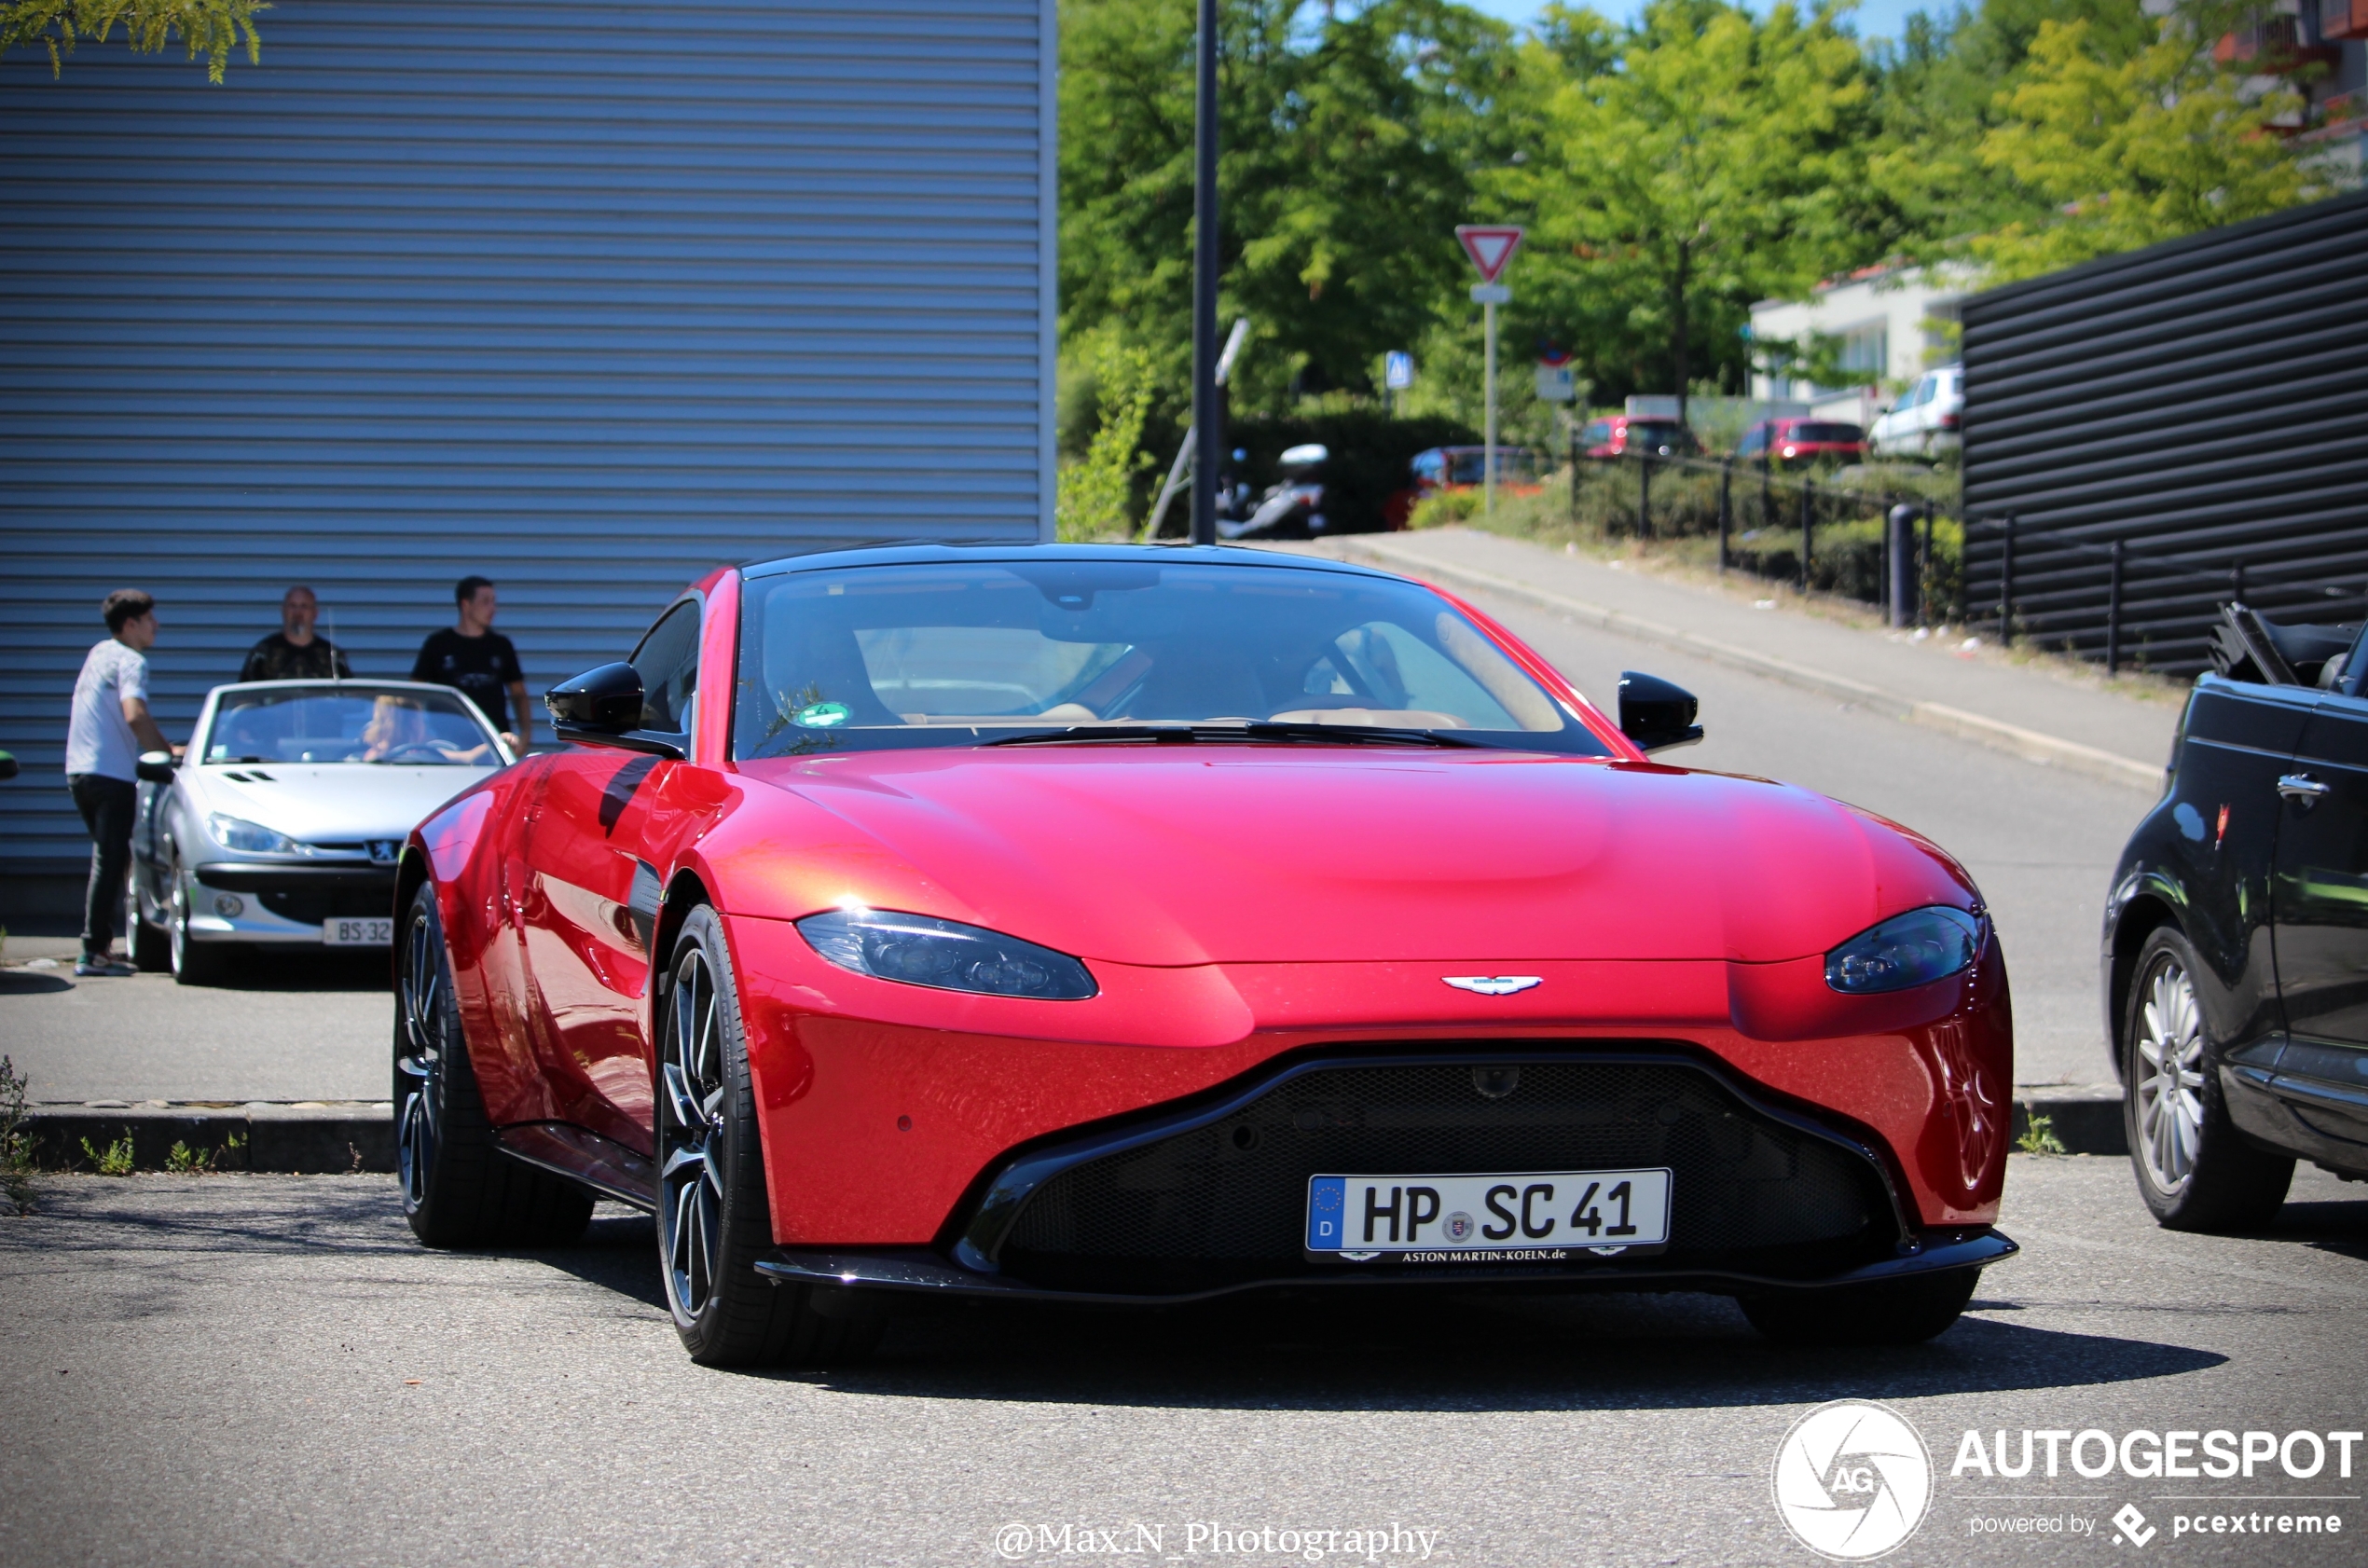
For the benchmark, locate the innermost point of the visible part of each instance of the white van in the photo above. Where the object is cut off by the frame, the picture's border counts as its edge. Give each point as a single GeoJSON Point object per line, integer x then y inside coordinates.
{"type": "Point", "coordinates": [1923, 423]}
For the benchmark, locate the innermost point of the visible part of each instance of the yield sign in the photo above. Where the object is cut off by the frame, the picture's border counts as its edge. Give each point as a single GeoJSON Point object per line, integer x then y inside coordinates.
{"type": "Point", "coordinates": [1488, 247]}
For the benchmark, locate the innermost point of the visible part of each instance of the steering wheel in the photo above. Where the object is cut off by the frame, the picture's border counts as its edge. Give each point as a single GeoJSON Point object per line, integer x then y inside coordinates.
{"type": "Point", "coordinates": [418, 751]}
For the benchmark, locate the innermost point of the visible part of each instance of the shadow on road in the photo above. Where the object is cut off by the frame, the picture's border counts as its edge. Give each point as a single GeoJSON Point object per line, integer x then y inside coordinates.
{"type": "Point", "coordinates": [1458, 1353]}
{"type": "Point", "coordinates": [32, 983]}
{"type": "Point", "coordinates": [305, 968]}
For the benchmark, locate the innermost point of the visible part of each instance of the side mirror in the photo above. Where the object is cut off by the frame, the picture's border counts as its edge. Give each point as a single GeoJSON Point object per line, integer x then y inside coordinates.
{"type": "Point", "coordinates": [7, 766]}
{"type": "Point", "coordinates": [155, 767]}
{"type": "Point", "coordinates": [607, 698]}
{"type": "Point", "coordinates": [1656, 715]}
{"type": "Point", "coordinates": [603, 707]}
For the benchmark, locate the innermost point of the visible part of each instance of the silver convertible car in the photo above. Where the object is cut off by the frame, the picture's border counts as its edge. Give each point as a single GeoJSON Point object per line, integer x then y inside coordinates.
{"type": "Point", "coordinates": [283, 824]}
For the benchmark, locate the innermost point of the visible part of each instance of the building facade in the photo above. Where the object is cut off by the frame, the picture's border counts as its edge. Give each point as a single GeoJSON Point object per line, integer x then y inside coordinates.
{"type": "Point", "coordinates": [1887, 324]}
{"type": "Point", "coordinates": [583, 299]}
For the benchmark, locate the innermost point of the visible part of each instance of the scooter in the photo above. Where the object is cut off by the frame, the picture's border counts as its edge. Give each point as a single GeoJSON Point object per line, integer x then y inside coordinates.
{"type": "Point", "coordinates": [1293, 509]}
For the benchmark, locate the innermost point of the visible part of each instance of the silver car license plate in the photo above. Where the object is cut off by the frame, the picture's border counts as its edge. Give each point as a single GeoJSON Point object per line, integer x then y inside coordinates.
{"type": "Point", "coordinates": [357, 933]}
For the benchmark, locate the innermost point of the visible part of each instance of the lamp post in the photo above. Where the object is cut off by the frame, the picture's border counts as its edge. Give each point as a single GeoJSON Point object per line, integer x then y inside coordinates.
{"type": "Point", "coordinates": [1205, 410]}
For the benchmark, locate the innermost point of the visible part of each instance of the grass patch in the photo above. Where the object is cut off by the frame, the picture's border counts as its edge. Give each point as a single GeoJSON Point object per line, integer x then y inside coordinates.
{"type": "Point", "coordinates": [115, 1160]}
{"type": "Point", "coordinates": [16, 1147]}
{"type": "Point", "coordinates": [2039, 1138]}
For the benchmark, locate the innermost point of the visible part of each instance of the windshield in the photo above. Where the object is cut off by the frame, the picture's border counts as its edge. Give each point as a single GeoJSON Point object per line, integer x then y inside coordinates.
{"type": "Point", "coordinates": [961, 653]}
{"type": "Point", "coordinates": [348, 723]}
{"type": "Point", "coordinates": [1841, 435]}
{"type": "Point", "coordinates": [1512, 465]}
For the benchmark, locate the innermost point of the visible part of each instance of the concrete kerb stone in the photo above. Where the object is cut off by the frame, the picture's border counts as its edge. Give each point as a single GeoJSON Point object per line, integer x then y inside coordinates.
{"type": "Point", "coordinates": [2031, 745]}
{"type": "Point", "coordinates": [2085, 1119]}
{"type": "Point", "coordinates": [313, 1138]}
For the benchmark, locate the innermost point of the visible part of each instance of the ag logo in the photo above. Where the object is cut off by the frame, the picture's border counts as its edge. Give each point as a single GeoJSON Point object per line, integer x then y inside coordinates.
{"type": "Point", "coordinates": [1852, 1481]}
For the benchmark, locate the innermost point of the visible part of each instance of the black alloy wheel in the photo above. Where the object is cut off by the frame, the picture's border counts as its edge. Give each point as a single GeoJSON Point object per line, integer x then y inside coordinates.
{"type": "Point", "coordinates": [459, 1189]}
{"type": "Point", "coordinates": [2194, 1170]}
{"type": "Point", "coordinates": [1891, 1311]}
{"type": "Point", "coordinates": [714, 1220]}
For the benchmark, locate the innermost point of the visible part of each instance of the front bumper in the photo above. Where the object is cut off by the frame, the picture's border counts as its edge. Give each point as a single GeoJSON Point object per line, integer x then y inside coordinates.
{"type": "Point", "coordinates": [285, 904]}
{"type": "Point", "coordinates": [920, 1271]}
{"type": "Point", "coordinates": [1201, 1200]}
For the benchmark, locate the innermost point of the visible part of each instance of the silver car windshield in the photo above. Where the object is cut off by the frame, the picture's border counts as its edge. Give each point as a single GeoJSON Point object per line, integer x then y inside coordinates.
{"type": "Point", "coordinates": [348, 723]}
{"type": "Point", "coordinates": [973, 652]}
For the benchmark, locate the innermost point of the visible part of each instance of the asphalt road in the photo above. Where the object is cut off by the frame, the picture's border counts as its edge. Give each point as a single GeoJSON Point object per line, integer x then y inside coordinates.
{"type": "Point", "coordinates": [311, 1025]}
{"type": "Point", "coordinates": [268, 1370]}
{"type": "Point", "coordinates": [2040, 842]}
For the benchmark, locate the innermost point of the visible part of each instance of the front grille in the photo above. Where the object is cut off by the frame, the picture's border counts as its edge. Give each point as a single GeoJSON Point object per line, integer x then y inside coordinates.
{"type": "Point", "coordinates": [1229, 1198]}
{"type": "Point", "coordinates": [343, 903]}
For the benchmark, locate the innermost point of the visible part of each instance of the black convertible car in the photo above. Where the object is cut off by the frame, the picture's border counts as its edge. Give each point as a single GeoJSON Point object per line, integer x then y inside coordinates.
{"type": "Point", "coordinates": [2236, 950]}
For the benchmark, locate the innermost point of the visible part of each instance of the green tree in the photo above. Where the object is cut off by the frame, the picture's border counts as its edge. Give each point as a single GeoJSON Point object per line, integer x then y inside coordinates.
{"type": "Point", "coordinates": [1687, 166]}
{"type": "Point", "coordinates": [1095, 495]}
{"type": "Point", "coordinates": [1344, 174]}
{"type": "Point", "coordinates": [2128, 149]}
{"type": "Point", "coordinates": [211, 28]}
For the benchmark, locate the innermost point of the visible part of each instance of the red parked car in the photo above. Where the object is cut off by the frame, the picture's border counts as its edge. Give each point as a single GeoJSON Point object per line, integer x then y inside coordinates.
{"type": "Point", "coordinates": [1625, 436]}
{"type": "Point", "coordinates": [1795, 442]}
{"type": "Point", "coordinates": [1137, 924]}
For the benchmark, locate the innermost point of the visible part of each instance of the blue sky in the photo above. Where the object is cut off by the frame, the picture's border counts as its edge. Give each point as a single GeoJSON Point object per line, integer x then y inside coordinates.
{"type": "Point", "coordinates": [1877, 18]}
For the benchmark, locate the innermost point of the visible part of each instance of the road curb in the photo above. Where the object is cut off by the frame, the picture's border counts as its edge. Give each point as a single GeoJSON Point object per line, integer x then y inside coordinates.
{"type": "Point", "coordinates": [2031, 745]}
{"type": "Point", "coordinates": [2084, 1121]}
{"type": "Point", "coordinates": [311, 1139]}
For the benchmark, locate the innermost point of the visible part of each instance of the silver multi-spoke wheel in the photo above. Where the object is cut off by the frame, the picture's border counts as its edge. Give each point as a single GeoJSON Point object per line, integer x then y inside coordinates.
{"type": "Point", "coordinates": [419, 1062]}
{"type": "Point", "coordinates": [690, 1129]}
{"type": "Point", "coordinates": [2169, 1076]}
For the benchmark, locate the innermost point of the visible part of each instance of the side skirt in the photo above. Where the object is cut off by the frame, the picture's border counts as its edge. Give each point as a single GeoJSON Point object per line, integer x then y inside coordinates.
{"type": "Point", "coordinates": [605, 1166]}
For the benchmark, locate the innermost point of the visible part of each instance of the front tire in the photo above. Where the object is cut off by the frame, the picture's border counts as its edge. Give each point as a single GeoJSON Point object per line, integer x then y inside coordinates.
{"type": "Point", "coordinates": [193, 963]}
{"type": "Point", "coordinates": [2194, 1170]}
{"type": "Point", "coordinates": [459, 1189]}
{"type": "Point", "coordinates": [1892, 1312]}
{"type": "Point", "coordinates": [151, 948]}
{"type": "Point", "coordinates": [714, 1220]}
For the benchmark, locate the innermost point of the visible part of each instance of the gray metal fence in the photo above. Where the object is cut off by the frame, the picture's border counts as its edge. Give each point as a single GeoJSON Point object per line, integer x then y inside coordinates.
{"type": "Point", "coordinates": [2159, 431]}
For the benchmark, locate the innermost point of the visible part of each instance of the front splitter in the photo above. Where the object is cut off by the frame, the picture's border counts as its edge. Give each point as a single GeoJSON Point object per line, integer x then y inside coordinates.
{"type": "Point", "coordinates": [921, 1271]}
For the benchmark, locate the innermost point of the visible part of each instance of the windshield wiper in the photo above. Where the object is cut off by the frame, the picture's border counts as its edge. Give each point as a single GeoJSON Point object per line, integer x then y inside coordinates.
{"type": "Point", "coordinates": [1260, 730]}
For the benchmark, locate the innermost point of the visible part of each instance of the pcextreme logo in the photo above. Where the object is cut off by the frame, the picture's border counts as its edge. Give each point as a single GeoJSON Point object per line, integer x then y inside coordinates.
{"type": "Point", "coordinates": [1852, 1481]}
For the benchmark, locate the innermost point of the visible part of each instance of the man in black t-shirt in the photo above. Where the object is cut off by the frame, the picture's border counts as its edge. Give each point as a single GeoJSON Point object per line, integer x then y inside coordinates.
{"type": "Point", "coordinates": [293, 652]}
{"type": "Point", "coordinates": [479, 662]}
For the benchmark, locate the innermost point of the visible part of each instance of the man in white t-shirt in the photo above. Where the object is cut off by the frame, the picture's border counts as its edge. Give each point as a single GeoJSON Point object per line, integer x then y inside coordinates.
{"type": "Point", "coordinates": [111, 727]}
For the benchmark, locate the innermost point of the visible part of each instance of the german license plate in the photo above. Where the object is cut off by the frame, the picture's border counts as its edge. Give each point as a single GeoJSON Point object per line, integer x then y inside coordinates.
{"type": "Point", "coordinates": [358, 933]}
{"type": "Point", "coordinates": [1539, 1216]}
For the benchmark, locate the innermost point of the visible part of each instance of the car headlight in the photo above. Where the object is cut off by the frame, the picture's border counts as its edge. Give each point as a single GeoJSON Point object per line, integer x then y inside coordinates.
{"type": "Point", "coordinates": [918, 950]}
{"type": "Point", "coordinates": [1911, 949]}
{"type": "Point", "coordinates": [250, 838]}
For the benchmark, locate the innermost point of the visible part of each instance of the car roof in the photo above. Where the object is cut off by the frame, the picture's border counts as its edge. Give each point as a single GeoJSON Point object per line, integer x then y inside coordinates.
{"type": "Point", "coordinates": [995, 551]}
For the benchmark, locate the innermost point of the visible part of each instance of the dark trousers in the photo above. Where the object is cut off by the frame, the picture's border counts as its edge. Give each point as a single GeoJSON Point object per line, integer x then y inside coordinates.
{"type": "Point", "coordinates": [108, 807]}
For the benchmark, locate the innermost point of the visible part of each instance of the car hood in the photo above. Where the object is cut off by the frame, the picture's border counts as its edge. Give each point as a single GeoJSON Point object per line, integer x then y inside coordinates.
{"type": "Point", "coordinates": [328, 802]}
{"type": "Point", "coordinates": [1173, 855]}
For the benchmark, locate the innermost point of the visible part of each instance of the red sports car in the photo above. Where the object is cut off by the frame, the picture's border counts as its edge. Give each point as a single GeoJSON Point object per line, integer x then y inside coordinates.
{"type": "Point", "coordinates": [1142, 924]}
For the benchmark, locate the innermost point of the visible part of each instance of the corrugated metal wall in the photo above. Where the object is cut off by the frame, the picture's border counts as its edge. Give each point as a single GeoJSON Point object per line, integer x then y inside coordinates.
{"type": "Point", "coordinates": [2201, 402]}
{"type": "Point", "coordinates": [583, 296]}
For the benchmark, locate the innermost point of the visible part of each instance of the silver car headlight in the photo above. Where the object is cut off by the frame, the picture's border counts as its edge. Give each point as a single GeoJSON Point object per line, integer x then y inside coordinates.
{"type": "Point", "coordinates": [251, 838]}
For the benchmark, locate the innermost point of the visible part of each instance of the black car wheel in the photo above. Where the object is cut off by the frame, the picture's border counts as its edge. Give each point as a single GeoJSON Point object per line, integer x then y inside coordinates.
{"type": "Point", "coordinates": [714, 1221]}
{"type": "Point", "coordinates": [459, 1189]}
{"type": "Point", "coordinates": [1895, 1312]}
{"type": "Point", "coordinates": [2194, 1170]}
